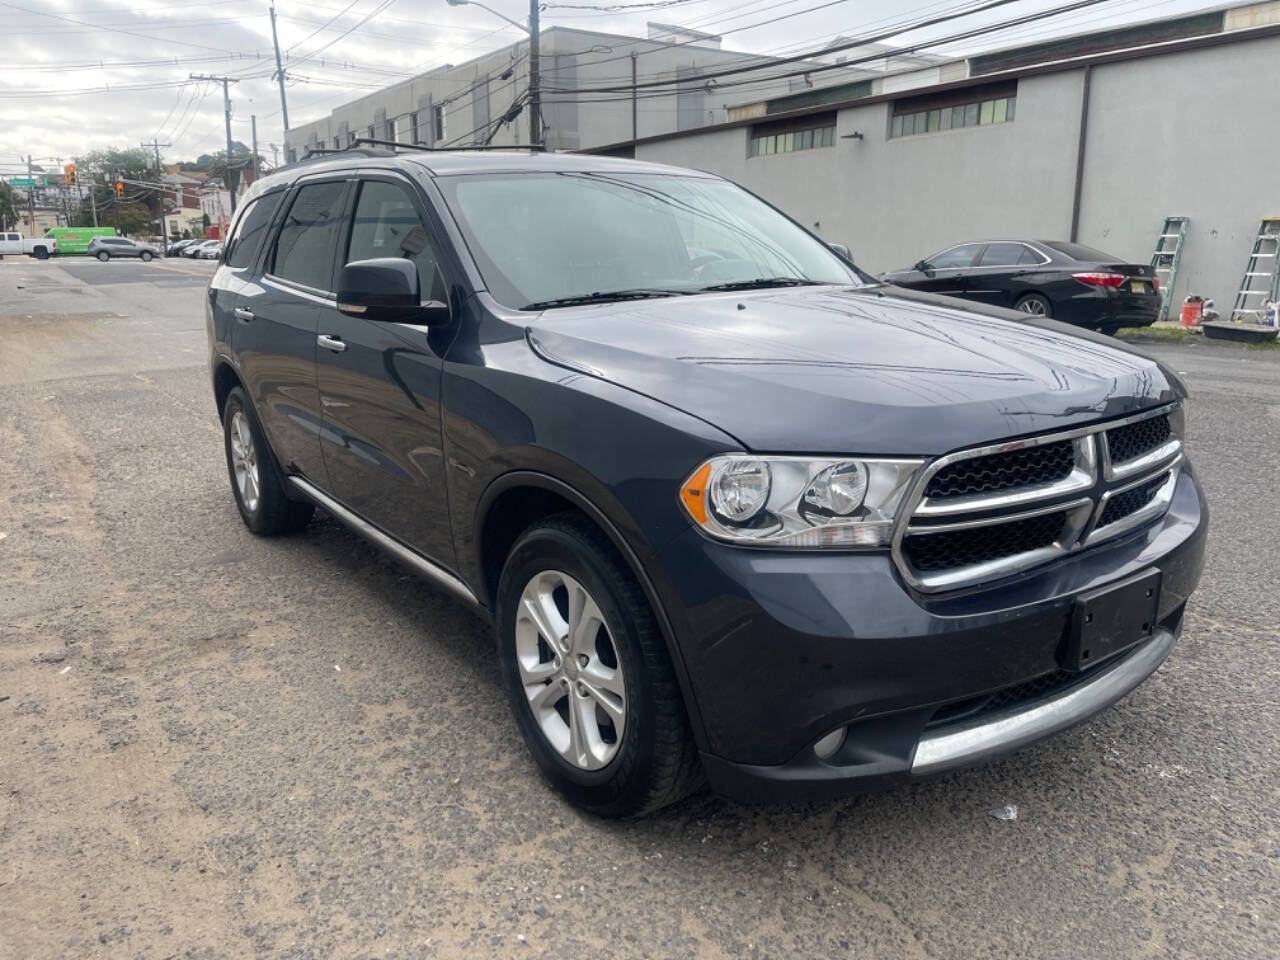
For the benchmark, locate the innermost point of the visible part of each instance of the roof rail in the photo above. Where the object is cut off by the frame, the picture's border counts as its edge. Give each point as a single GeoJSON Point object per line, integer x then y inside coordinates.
{"type": "Point", "coordinates": [358, 141]}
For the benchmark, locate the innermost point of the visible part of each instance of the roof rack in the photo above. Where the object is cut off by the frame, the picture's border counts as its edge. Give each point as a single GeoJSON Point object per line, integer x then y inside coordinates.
{"type": "Point", "coordinates": [538, 147]}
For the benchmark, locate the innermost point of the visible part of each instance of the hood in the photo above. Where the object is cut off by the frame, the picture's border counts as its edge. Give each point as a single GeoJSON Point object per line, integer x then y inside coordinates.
{"type": "Point", "coordinates": [869, 370]}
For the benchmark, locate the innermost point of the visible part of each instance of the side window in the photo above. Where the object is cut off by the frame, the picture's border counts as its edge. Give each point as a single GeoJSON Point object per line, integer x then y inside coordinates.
{"type": "Point", "coordinates": [961, 256]}
{"type": "Point", "coordinates": [250, 229]}
{"type": "Point", "coordinates": [1030, 256]}
{"type": "Point", "coordinates": [1002, 254]}
{"type": "Point", "coordinates": [387, 225]}
{"type": "Point", "coordinates": [304, 248]}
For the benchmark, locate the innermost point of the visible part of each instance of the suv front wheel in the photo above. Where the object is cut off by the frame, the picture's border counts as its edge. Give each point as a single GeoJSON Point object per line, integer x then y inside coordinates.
{"type": "Point", "coordinates": [588, 675]}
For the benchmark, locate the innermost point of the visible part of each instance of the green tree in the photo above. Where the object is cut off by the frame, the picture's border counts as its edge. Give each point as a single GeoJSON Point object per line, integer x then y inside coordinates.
{"type": "Point", "coordinates": [8, 214]}
{"type": "Point", "coordinates": [136, 212]}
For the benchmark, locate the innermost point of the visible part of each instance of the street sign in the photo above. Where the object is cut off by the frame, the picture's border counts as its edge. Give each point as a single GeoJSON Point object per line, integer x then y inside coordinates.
{"type": "Point", "coordinates": [26, 181]}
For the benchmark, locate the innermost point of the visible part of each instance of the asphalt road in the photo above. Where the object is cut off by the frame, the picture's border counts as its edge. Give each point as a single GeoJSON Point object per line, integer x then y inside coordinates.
{"type": "Point", "coordinates": [213, 745]}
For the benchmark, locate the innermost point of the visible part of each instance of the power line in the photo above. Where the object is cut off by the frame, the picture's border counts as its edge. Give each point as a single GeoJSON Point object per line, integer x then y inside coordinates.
{"type": "Point", "coordinates": [128, 33]}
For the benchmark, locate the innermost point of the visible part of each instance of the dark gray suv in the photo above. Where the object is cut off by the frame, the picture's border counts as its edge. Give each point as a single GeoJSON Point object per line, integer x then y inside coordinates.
{"type": "Point", "coordinates": [738, 512]}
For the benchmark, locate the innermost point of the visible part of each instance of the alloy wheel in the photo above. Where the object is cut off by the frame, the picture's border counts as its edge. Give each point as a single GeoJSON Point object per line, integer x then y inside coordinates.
{"type": "Point", "coordinates": [1032, 306]}
{"type": "Point", "coordinates": [244, 460]}
{"type": "Point", "coordinates": [570, 670]}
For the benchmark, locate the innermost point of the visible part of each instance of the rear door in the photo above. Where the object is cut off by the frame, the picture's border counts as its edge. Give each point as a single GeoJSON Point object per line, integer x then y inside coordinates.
{"type": "Point", "coordinates": [277, 312]}
{"type": "Point", "coordinates": [380, 382]}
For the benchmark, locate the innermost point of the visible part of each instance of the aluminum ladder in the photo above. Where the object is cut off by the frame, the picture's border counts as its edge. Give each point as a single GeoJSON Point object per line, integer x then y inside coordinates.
{"type": "Point", "coordinates": [1261, 274]}
{"type": "Point", "coordinates": [1166, 258]}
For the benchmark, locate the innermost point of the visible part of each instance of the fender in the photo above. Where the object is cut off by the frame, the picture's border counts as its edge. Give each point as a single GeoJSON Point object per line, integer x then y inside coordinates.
{"type": "Point", "coordinates": [533, 478]}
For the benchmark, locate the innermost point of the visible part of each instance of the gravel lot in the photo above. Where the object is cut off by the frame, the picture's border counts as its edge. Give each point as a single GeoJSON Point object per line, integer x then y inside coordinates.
{"type": "Point", "coordinates": [213, 745]}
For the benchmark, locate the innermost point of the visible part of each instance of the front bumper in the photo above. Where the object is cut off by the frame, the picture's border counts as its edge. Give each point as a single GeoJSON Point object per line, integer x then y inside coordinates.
{"type": "Point", "coordinates": [782, 648]}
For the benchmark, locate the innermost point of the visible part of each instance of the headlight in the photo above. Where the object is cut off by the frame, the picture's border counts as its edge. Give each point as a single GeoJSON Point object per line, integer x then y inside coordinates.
{"type": "Point", "coordinates": [798, 502]}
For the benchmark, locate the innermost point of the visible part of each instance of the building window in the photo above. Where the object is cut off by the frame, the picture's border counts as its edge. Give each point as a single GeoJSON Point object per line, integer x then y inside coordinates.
{"type": "Point", "coordinates": [807, 133]}
{"type": "Point", "coordinates": [439, 121]}
{"type": "Point", "coordinates": [975, 107]}
{"type": "Point", "coordinates": [372, 134]}
{"type": "Point", "coordinates": [400, 130]}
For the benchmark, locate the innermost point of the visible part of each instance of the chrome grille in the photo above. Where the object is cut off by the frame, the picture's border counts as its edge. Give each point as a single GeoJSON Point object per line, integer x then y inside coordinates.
{"type": "Point", "coordinates": [974, 545]}
{"type": "Point", "coordinates": [1134, 439]}
{"type": "Point", "coordinates": [991, 512]}
{"type": "Point", "coordinates": [1045, 463]}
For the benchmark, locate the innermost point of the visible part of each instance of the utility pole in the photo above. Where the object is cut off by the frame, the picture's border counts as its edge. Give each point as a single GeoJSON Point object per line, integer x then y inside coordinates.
{"type": "Point", "coordinates": [93, 199]}
{"type": "Point", "coordinates": [535, 78]}
{"type": "Point", "coordinates": [31, 195]}
{"type": "Point", "coordinates": [226, 104]}
{"type": "Point", "coordinates": [284, 105]}
{"type": "Point", "coordinates": [253, 125]}
{"type": "Point", "coordinates": [164, 233]}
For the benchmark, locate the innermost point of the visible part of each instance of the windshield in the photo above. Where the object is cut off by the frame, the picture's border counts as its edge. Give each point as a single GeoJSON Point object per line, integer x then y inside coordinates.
{"type": "Point", "coordinates": [543, 238]}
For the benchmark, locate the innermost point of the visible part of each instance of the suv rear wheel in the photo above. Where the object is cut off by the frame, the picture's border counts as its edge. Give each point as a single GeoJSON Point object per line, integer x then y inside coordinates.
{"type": "Point", "coordinates": [256, 480]}
{"type": "Point", "coordinates": [587, 673]}
{"type": "Point", "coordinates": [104, 256]}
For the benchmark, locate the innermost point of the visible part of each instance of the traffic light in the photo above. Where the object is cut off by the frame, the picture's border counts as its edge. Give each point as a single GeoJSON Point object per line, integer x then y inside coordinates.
{"type": "Point", "coordinates": [70, 171]}
{"type": "Point", "coordinates": [120, 189]}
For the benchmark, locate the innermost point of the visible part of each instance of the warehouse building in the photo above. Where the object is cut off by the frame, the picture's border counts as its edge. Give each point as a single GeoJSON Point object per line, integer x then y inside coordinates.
{"type": "Point", "coordinates": [466, 103]}
{"type": "Point", "coordinates": [1097, 137]}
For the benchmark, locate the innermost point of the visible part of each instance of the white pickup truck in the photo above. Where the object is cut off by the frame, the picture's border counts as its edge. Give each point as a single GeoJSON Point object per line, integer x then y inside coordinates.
{"type": "Point", "coordinates": [42, 248]}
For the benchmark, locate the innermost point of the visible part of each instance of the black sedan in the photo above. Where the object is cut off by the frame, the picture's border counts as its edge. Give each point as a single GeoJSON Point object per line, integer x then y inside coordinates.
{"type": "Point", "coordinates": [1048, 278]}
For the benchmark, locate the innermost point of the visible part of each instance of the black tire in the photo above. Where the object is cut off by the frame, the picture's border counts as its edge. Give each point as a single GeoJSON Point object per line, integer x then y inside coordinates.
{"type": "Point", "coordinates": [656, 763]}
{"type": "Point", "coordinates": [145, 256]}
{"type": "Point", "coordinates": [1034, 304]}
{"type": "Point", "coordinates": [273, 513]}
{"type": "Point", "coordinates": [103, 256]}
{"type": "Point", "coordinates": [42, 253]}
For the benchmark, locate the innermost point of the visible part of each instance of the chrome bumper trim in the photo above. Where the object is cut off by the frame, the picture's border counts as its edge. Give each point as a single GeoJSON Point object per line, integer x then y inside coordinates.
{"type": "Point", "coordinates": [955, 747]}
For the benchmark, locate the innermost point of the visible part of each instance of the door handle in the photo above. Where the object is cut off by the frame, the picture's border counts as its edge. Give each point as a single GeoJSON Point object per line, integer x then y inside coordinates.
{"type": "Point", "coordinates": [243, 313]}
{"type": "Point", "coordinates": [331, 343]}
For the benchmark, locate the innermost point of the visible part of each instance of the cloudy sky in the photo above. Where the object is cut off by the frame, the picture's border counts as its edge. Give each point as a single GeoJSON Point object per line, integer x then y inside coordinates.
{"type": "Point", "coordinates": [77, 75]}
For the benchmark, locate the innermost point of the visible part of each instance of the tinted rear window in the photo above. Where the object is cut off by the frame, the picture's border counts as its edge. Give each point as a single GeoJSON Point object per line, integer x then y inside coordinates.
{"type": "Point", "coordinates": [250, 230]}
{"type": "Point", "coordinates": [1078, 251]}
{"type": "Point", "coordinates": [305, 247]}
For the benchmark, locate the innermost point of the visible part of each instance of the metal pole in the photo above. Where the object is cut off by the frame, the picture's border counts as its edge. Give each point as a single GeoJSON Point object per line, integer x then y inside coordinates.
{"type": "Point", "coordinates": [164, 231]}
{"type": "Point", "coordinates": [535, 78]}
{"type": "Point", "coordinates": [284, 105]}
{"type": "Point", "coordinates": [1080, 150]}
{"type": "Point", "coordinates": [634, 124]}
{"type": "Point", "coordinates": [93, 199]}
{"type": "Point", "coordinates": [226, 103]}
{"type": "Point", "coordinates": [31, 195]}
{"type": "Point", "coordinates": [253, 125]}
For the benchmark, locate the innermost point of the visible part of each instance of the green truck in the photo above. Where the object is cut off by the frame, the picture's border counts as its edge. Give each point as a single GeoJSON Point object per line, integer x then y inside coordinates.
{"type": "Point", "coordinates": [76, 239]}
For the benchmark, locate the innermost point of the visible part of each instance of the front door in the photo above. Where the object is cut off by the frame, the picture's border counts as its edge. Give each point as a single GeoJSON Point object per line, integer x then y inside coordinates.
{"type": "Point", "coordinates": [277, 318]}
{"type": "Point", "coordinates": [947, 273]}
{"type": "Point", "coordinates": [380, 384]}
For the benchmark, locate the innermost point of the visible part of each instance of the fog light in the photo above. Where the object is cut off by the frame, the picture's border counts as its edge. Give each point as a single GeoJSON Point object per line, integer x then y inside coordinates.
{"type": "Point", "coordinates": [826, 748]}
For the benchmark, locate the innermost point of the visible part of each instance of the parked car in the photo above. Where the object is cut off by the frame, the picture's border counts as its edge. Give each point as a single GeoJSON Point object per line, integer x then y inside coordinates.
{"type": "Point", "coordinates": [1045, 278]}
{"type": "Point", "coordinates": [211, 250]}
{"type": "Point", "coordinates": [749, 516]}
{"type": "Point", "coordinates": [15, 244]}
{"type": "Point", "coordinates": [104, 248]}
{"type": "Point", "coordinates": [175, 249]}
{"type": "Point", "coordinates": [197, 250]}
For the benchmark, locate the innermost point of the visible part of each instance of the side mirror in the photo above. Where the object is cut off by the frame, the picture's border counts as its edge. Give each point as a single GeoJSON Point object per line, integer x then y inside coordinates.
{"type": "Point", "coordinates": [386, 289]}
{"type": "Point", "coordinates": [841, 249]}
{"type": "Point", "coordinates": [920, 265]}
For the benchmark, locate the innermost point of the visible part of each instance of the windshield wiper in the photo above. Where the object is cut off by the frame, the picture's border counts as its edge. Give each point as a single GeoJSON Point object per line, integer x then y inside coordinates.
{"type": "Point", "coordinates": [761, 282]}
{"type": "Point", "coordinates": [603, 296]}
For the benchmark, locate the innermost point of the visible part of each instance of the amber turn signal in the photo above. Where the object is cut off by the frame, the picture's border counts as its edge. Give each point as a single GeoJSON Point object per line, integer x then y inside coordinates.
{"type": "Point", "coordinates": [694, 494]}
